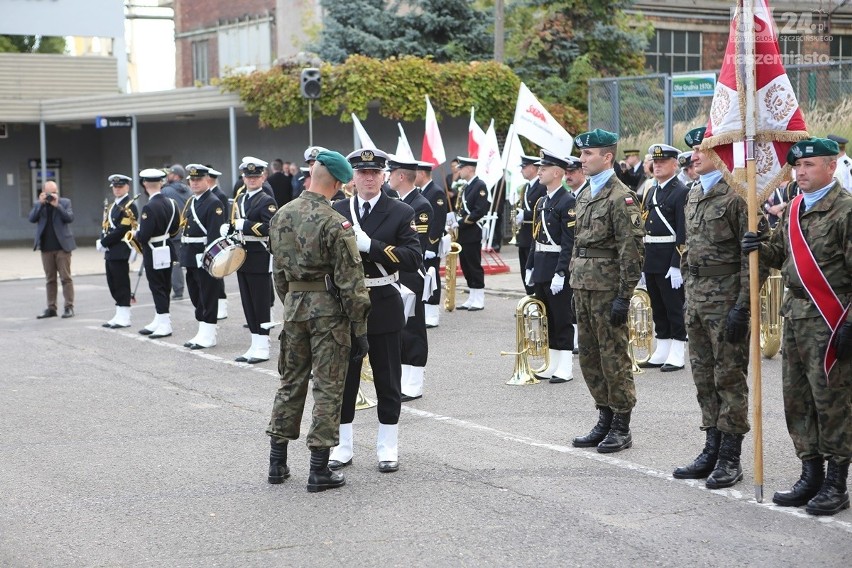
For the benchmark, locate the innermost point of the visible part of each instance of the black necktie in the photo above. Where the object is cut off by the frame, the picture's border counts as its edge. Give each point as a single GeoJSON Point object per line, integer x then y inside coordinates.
{"type": "Point", "coordinates": [366, 210]}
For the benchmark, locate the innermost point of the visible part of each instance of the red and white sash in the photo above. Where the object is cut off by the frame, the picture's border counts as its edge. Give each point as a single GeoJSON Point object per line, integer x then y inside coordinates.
{"type": "Point", "coordinates": [814, 282]}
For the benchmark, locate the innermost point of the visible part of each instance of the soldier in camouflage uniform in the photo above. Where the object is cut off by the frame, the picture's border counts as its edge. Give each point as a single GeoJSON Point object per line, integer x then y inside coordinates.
{"type": "Point", "coordinates": [817, 403]}
{"type": "Point", "coordinates": [717, 319]}
{"type": "Point", "coordinates": [605, 267]}
{"type": "Point", "coordinates": [310, 243]}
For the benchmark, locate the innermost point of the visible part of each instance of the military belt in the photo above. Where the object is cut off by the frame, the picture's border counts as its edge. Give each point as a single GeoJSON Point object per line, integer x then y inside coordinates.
{"type": "Point", "coordinates": [381, 280]}
{"type": "Point", "coordinates": [802, 294]}
{"type": "Point", "coordinates": [715, 270]}
{"type": "Point", "coordinates": [315, 286]}
{"type": "Point", "coordinates": [584, 252]}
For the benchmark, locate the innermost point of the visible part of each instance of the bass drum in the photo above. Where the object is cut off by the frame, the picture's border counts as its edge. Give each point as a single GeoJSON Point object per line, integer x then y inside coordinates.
{"type": "Point", "coordinates": [223, 256]}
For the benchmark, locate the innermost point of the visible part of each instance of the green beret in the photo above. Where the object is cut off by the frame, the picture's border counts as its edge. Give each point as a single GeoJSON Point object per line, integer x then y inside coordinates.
{"type": "Point", "coordinates": [597, 138]}
{"type": "Point", "coordinates": [695, 136]}
{"type": "Point", "coordinates": [812, 147]}
{"type": "Point", "coordinates": [336, 165]}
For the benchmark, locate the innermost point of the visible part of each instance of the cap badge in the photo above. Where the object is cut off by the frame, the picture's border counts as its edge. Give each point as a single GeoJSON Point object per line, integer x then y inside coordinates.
{"type": "Point", "coordinates": [367, 156]}
{"type": "Point", "coordinates": [796, 151]}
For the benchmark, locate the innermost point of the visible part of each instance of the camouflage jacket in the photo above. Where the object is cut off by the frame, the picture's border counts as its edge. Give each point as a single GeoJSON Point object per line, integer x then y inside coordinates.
{"type": "Point", "coordinates": [827, 227]}
{"type": "Point", "coordinates": [609, 222]}
{"type": "Point", "coordinates": [308, 239]}
{"type": "Point", "coordinates": [715, 224]}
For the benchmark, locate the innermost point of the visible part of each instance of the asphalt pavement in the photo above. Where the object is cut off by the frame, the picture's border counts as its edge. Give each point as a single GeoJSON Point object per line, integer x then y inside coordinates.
{"type": "Point", "coordinates": [118, 450]}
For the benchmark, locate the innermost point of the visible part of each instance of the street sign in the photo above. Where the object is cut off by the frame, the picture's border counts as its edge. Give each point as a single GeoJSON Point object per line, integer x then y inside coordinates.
{"type": "Point", "coordinates": [113, 121]}
{"type": "Point", "coordinates": [699, 85]}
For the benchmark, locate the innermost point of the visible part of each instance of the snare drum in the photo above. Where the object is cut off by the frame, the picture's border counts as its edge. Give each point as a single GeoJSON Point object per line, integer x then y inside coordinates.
{"type": "Point", "coordinates": [223, 256]}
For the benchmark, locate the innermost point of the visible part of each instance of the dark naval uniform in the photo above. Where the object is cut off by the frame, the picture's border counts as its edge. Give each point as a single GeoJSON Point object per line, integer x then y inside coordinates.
{"type": "Point", "coordinates": [204, 215]}
{"type": "Point", "coordinates": [530, 194]}
{"type": "Point", "coordinates": [223, 296]}
{"type": "Point", "coordinates": [473, 205]}
{"type": "Point", "coordinates": [606, 265]}
{"type": "Point", "coordinates": [553, 232]}
{"type": "Point", "coordinates": [396, 248]}
{"type": "Point", "coordinates": [256, 210]}
{"type": "Point", "coordinates": [117, 254]}
{"type": "Point", "coordinates": [415, 345]}
{"type": "Point", "coordinates": [160, 219]}
{"type": "Point", "coordinates": [665, 236]}
{"type": "Point", "coordinates": [437, 198]}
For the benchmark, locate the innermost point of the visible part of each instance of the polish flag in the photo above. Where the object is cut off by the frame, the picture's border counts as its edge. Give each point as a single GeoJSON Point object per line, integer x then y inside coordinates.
{"type": "Point", "coordinates": [475, 137]}
{"type": "Point", "coordinates": [778, 122]}
{"type": "Point", "coordinates": [433, 145]}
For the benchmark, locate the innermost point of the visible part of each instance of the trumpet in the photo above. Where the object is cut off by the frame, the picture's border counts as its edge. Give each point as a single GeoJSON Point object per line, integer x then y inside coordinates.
{"type": "Point", "coordinates": [531, 339]}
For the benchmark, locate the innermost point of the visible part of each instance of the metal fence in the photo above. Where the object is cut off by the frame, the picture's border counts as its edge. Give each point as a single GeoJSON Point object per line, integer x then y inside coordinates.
{"type": "Point", "coordinates": [643, 111]}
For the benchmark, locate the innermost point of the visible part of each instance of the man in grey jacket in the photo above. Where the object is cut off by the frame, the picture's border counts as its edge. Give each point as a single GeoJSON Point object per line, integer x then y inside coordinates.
{"type": "Point", "coordinates": [53, 215]}
{"type": "Point", "coordinates": [176, 189]}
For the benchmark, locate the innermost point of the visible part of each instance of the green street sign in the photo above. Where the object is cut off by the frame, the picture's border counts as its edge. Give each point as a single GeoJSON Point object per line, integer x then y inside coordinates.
{"type": "Point", "coordinates": [701, 85]}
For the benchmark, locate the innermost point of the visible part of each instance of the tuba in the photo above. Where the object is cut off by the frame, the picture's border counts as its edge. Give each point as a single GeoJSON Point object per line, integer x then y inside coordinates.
{"type": "Point", "coordinates": [770, 314]}
{"type": "Point", "coordinates": [532, 341]}
{"type": "Point", "coordinates": [640, 326]}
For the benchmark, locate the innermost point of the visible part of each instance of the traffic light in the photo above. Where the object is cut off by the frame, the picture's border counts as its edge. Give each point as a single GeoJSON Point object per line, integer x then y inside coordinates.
{"type": "Point", "coordinates": [311, 83]}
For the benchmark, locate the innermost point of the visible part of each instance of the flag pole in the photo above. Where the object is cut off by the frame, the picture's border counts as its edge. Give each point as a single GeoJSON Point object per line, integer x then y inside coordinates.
{"type": "Point", "coordinates": [748, 43]}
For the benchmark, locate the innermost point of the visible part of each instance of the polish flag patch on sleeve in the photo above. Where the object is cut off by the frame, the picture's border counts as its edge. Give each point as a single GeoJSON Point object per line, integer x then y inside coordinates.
{"type": "Point", "coordinates": [346, 224]}
{"type": "Point", "coordinates": [628, 200]}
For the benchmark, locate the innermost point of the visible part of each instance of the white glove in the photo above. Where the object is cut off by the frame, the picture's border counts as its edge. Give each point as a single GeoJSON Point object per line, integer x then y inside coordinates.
{"type": "Point", "coordinates": [429, 255]}
{"type": "Point", "coordinates": [98, 246]}
{"type": "Point", "coordinates": [363, 239]}
{"type": "Point", "coordinates": [225, 229]}
{"type": "Point", "coordinates": [455, 225]}
{"type": "Point", "coordinates": [133, 256]}
{"type": "Point", "coordinates": [239, 224]}
{"type": "Point", "coordinates": [519, 218]}
{"type": "Point", "coordinates": [557, 284]}
{"type": "Point", "coordinates": [198, 259]}
{"type": "Point", "coordinates": [675, 275]}
{"type": "Point", "coordinates": [451, 218]}
{"type": "Point", "coordinates": [528, 278]}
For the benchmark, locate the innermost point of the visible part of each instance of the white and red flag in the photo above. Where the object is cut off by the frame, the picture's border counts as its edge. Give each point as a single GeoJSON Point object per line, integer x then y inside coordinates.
{"type": "Point", "coordinates": [475, 137]}
{"type": "Point", "coordinates": [776, 121]}
{"type": "Point", "coordinates": [433, 145]}
{"type": "Point", "coordinates": [489, 167]}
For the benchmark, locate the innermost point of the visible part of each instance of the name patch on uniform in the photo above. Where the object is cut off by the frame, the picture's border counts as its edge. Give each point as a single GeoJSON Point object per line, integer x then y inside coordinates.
{"type": "Point", "coordinates": [346, 224]}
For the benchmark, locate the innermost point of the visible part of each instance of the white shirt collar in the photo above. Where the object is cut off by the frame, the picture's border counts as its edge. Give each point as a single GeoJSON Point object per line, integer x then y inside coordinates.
{"type": "Point", "coordinates": [372, 202]}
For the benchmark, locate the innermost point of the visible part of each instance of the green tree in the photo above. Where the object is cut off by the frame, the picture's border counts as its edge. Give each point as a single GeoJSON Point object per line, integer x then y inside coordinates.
{"type": "Point", "coordinates": [446, 30]}
{"type": "Point", "coordinates": [556, 47]}
{"type": "Point", "coordinates": [31, 44]}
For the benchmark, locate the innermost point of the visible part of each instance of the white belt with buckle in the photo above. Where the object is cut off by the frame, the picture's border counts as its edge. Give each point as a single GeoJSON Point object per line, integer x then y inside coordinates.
{"type": "Point", "coordinates": [193, 240]}
{"type": "Point", "coordinates": [541, 247]}
{"type": "Point", "coordinates": [381, 280]}
{"type": "Point", "coordinates": [652, 239]}
{"type": "Point", "coordinates": [249, 238]}
{"type": "Point", "coordinates": [158, 239]}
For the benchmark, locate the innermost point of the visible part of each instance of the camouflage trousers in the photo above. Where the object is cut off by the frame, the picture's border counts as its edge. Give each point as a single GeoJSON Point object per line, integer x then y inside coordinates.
{"type": "Point", "coordinates": [818, 412]}
{"type": "Point", "coordinates": [320, 345]}
{"type": "Point", "coordinates": [719, 368]}
{"type": "Point", "coordinates": [604, 356]}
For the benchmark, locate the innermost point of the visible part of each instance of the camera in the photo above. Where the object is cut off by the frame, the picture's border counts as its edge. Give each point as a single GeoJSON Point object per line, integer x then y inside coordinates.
{"type": "Point", "coordinates": [49, 197]}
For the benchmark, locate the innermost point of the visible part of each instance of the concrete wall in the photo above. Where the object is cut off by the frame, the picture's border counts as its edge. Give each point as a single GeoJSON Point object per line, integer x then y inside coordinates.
{"type": "Point", "coordinates": [89, 155]}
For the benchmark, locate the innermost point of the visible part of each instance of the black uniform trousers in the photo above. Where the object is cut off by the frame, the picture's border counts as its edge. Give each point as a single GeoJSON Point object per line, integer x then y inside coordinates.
{"type": "Point", "coordinates": [523, 255]}
{"type": "Point", "coordinates": [222, 294]}
{"type": "Point", "coordinates": [560, 319]}
{"type": "Point", "coordinates": [204, 293]}
{"type": "Point", "coordinates": [387, 374]}
{"type": "Point", "coordinates": [255, 288]}
{"type": "Point", "coordinates": [159, 281]}
{"type": "Point", "coordinates": [414, 343]}
{"type": "Point", "coordinates": [118, 280]}
{"type": "Point", "coordinates": [470, 259]}
{"type": "Point", "coordinates": [666, 307]}
{"type": "Point", "coordinates": [435, 298]}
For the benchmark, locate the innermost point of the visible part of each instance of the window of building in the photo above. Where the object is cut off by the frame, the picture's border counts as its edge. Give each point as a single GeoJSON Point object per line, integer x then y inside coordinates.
{"type": "Point", "coordinates": [200, 66]}
{"type": "Point", "coordinates": [673, 51]}
{"type": "Point", "coordinates": [245, 46]}
{"type": "Point", "coordinates": [841, 56]}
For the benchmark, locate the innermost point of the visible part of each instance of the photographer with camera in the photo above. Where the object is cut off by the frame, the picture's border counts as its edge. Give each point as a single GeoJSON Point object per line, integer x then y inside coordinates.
{"type": "Point", "coordinates": [53, 237]}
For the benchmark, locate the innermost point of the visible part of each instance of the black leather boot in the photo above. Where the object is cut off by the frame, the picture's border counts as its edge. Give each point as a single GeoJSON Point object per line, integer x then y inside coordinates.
{"type": "Point", "coordinates": [813, 475]}
{"type": "Point", "coordinates": [322, 478]}
{"type": "Point", "coordinates": [704, 464]}
{"type": "Point", "coordinates": [278, 470]}
{"type": "Point", "coordinates": [618, 438]}
{"type": "Point", "coordinates": [728, 470]}
{"type": "Point", "coordinates": [833, 496]}
{"type": "Point", "coordinates": [598, 433]}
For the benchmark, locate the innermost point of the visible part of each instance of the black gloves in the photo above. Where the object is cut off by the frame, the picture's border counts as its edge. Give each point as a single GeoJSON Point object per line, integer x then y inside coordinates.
{"type": "Point", "coordinates": [751, 241]}
{"type": "Point", "coordinates": [736, 328]}
{"type": "Point", "coordinates": [843, 341]}
{"type": "Point", "coordinates": [360, 347]}
{"type": "Point", "coordinates": [620, 307]}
